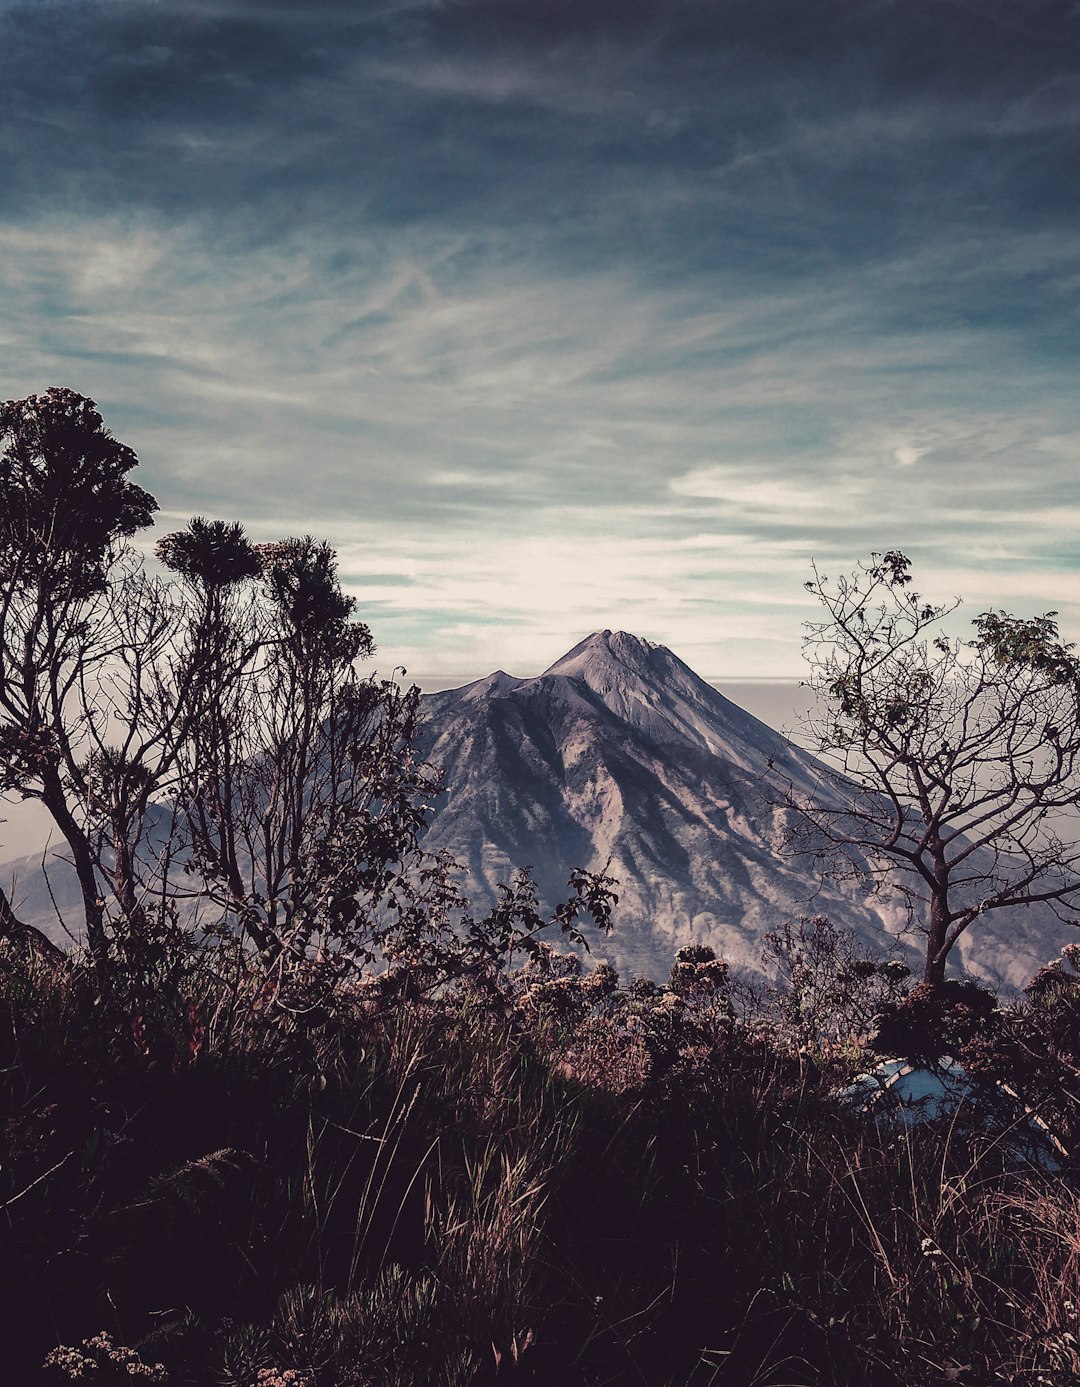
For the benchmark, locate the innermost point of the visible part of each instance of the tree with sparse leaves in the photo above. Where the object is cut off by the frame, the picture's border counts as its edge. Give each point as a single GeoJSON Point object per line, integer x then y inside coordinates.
{"type": "Point", "coordinates": [299, 801]}
{"type": "Point", "coordinates": [206, 744]}
{"type": "Point", "coordinates": [956, 761]}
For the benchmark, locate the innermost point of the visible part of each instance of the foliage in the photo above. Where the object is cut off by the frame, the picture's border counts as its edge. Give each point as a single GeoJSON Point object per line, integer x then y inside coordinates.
{"type": "Point", "coordinates": [828, 992]}
{"type": "Point", "coordinates": [301, 1117]}
{"type": "Point", "coordinates": [956, 761]}
{"type": "Point", "coordinates": [535, 1173]}
{"type": "Point", "coordinates": [67, 500]}
{"type": "Point", "coordinates": [931, 1023]}
{"type": "Point", "coordinates": [1035, 1046]}
{"type": "Point", "coordinates": [210, 553]}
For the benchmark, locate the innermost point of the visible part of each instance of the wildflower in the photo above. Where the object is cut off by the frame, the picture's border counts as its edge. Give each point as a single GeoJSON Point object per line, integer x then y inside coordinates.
{"type": "Point", "coordinates": [283, 1377]}
{"type": "Point", "coordinates": [69, 1361]}
{"type": "Point", "coordinates": [99, 1351]}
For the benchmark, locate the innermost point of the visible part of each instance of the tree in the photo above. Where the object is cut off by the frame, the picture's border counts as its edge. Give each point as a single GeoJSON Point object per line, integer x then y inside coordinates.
{"type": "Point", "coordinates": [216, 724]}
{"type": "Point", "coordinates": [955, 762]}
{"type": "Point", "coordinates": [206, 744]}
{"type": "Point", "coordinates": [66, 512]}
{"type": "Point", "coordinates": [298, 801]}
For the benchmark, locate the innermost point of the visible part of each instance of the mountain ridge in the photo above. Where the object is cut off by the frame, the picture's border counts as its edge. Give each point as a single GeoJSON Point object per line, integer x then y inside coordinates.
{"type": "Point", "coordinates": [619, 756]}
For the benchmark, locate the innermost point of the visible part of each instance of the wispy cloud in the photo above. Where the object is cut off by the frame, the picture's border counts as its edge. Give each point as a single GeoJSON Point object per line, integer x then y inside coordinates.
{"type": "Point", "coordinates": [562, 317]}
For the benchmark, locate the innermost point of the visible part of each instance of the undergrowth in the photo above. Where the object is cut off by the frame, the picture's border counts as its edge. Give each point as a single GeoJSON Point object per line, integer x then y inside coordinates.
{"type": "Point", "coordinates": [535, 1175]}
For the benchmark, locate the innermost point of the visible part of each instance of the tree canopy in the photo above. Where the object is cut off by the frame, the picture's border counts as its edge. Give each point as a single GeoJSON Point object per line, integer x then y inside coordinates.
{"type": "Point", "coordinates": [204, 739]}
{"type": "Point", "coordinates": [66, 497]}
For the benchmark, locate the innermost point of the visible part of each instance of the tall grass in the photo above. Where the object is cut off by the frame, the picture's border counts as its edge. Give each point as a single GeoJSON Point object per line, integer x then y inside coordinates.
{"type": "Point", "coordinates": [548, 1179]}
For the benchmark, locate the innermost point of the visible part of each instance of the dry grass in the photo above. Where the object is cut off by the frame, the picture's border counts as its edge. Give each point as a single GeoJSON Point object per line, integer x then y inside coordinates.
{"type": "Point", "coordinates": [556, 1179]}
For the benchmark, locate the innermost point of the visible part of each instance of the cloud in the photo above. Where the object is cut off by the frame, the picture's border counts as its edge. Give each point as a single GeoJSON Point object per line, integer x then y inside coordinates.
{"type": "Point", "coordinates": [562, 316]}
{"type": "Point", "coordinates": [505, 432]}
{"type": "Point", "coordinates": [747, 493]}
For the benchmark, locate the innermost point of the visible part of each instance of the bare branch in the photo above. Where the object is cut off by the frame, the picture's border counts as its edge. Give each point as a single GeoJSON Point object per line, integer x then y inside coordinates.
{"type": "Point", "coordinates": [950, 757]}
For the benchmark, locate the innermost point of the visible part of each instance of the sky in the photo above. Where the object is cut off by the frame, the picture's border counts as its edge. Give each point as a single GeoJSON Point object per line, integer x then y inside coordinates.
{"type": "Point", "coordinates": [557, 315]}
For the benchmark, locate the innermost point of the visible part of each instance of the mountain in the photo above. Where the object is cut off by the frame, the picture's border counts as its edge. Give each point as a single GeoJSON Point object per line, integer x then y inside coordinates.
{"type": "Point", "coordinates": [620, 754]}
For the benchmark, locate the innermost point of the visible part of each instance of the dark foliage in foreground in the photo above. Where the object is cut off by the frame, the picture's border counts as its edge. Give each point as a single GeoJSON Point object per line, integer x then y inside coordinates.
{"type": "Point", "coordinates": [298, 1118]}
{"type": "Point", "coordinates": [529, 1175]}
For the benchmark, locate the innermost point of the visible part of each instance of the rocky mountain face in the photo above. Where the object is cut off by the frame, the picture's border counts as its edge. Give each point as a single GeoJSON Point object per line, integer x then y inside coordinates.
{"type": "Point", "coordinates": [620, 757]}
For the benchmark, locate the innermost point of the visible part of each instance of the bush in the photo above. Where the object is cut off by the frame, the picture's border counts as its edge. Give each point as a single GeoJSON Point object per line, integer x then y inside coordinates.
{"type": "Point", "coordinates": [532, 1173]}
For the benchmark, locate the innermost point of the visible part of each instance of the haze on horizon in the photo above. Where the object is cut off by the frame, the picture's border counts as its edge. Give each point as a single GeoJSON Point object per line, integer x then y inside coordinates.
{"type": "Point", "coordinates": [557, 315]}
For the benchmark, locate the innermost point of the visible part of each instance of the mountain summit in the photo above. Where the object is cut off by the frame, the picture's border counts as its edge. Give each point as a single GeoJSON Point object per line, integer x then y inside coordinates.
{"type": "Point", "coordinates": [653, 691]}
{"type": "Point", "coordinates": [619, 753]}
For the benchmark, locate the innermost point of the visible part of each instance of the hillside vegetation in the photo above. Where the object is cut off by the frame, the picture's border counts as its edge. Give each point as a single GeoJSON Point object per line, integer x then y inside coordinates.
{"type": "Point", "coordinates": [300, 1116]}
{"type": "Point", "coordinates": [525, 1175]}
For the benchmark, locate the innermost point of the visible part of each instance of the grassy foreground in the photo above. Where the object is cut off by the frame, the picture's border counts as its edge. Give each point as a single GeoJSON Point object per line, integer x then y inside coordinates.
{"type": "Point", "coordinates": [530, 1176]}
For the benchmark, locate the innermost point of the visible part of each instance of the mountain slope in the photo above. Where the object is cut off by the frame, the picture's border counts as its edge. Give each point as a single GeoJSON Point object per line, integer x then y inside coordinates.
{"type": "Point", "coordinates": [619, 753]}
{"type": "Point", "coordinates": [619, 756]}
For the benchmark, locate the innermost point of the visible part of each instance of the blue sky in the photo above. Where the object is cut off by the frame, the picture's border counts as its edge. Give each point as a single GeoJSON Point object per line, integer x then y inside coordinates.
{"type": "Point", "coordinates": [563, 314]}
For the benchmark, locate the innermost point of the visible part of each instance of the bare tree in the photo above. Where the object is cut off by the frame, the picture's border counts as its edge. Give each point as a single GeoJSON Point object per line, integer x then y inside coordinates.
{"type": "Point", "coordinates": [955, 762]}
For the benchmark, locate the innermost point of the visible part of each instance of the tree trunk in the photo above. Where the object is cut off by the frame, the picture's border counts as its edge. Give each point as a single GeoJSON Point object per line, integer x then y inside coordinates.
{"type": "Point", "coordinates": [11, 927]}
{"type": "Point", "coordinates": [937, 926]}
{"type": "Point", "coordinates": [55, 801]}
{"type": "Point", "coordinates": [124, 883]}
{"type": "Point", "coordinates": [936, 950]}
